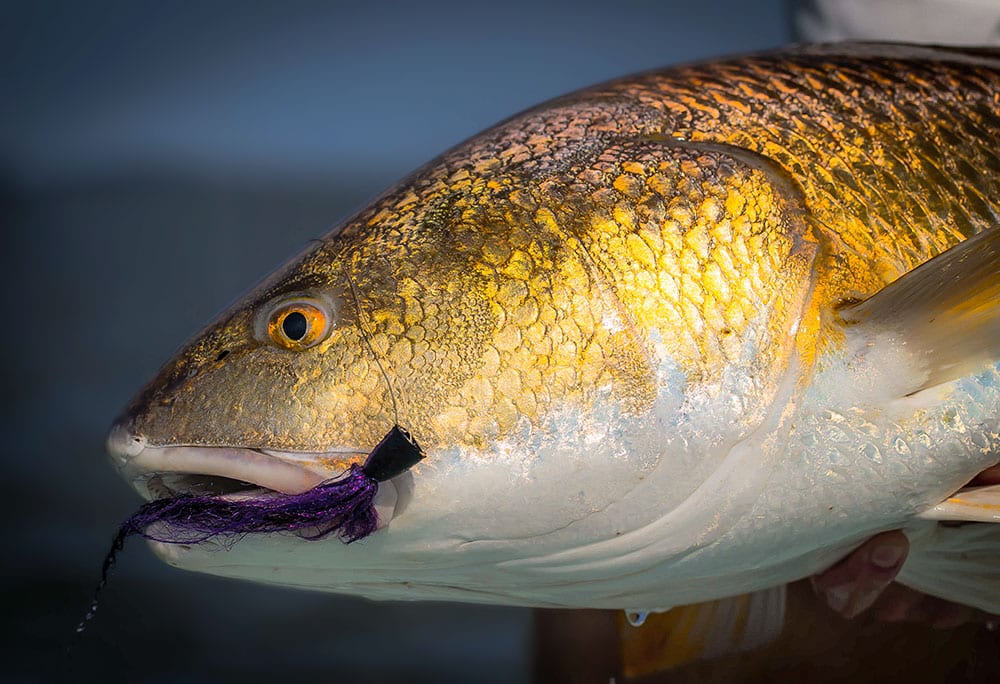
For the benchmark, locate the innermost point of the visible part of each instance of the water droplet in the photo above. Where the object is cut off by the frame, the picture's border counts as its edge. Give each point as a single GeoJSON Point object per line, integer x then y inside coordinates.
{"type": "Point", "coordinates": [636, 617]}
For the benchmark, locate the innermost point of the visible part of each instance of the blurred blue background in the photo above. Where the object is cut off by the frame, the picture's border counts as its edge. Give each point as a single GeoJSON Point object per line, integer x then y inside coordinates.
{"type": "Point", "coordinates": [156, 158]}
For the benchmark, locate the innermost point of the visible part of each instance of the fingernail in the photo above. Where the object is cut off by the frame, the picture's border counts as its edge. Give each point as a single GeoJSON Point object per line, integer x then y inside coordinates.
{"type": "Point", "coordinates": [887, 557]}
{"type": "Point", "coordinates": [837, 597]}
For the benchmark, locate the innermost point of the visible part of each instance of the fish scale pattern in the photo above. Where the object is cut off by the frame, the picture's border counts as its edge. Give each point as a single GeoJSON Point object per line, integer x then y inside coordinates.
{"type": "Point", "coordinates": [510, 317]}
{"type": "Point", "coordinates": [589, 272]}
{"type": "Point", "coordinates": [895, 152]}
{"type": "Point", "coordinates": [566, 255]}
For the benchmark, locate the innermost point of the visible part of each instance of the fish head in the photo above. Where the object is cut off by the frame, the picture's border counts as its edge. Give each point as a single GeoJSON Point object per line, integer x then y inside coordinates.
{"type": "Point", "coordinates": [441, 325]}
{"type": "Point", "coordinates": [287, 370]}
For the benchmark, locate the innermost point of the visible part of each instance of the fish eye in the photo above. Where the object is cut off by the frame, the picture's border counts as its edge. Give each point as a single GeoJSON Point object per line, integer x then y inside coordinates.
{"type": "Point", "coordinates": [298, 324]}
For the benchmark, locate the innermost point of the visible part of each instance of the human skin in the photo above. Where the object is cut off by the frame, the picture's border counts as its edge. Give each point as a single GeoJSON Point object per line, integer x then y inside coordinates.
{"type": "Point", "coordinates": [864, 580]}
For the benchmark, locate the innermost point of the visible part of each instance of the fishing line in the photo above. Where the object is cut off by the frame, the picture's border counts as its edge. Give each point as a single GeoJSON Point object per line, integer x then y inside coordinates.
{"type": "Point", "coordinates": [344, 506]}
{"type": "Point", "coordinates": [368, 337]}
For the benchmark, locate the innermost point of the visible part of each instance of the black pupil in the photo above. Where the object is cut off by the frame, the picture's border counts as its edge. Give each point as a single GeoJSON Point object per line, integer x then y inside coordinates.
{"type": "Point", "coordinates": [295, 326]}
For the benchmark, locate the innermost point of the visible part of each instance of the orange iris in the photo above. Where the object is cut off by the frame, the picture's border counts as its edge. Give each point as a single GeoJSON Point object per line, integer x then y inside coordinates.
{"type": "Point", "coordinates": [297, 325]}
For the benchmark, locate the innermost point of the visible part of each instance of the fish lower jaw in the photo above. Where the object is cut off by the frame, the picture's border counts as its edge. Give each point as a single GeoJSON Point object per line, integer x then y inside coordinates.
{"type": "Point", "coordinates": [170, 484]}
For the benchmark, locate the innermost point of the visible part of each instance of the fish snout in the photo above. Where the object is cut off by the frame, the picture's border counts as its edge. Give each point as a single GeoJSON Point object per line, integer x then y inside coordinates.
{"type": "Point", "coordinates": [123, 443]}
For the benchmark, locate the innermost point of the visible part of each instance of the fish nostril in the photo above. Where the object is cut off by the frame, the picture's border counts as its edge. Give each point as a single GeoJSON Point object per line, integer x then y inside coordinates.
{"type": "Point", "coordinates": [123, 444]}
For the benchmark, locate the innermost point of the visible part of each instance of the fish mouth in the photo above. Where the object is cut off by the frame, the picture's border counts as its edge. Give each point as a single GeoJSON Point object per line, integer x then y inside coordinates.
{"type": "Point", "coordinates": [234, 472]}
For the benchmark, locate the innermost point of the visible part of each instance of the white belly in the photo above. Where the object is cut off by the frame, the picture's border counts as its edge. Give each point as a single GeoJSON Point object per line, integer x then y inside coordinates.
{"type": "Point", "coordinates": [610, 512]}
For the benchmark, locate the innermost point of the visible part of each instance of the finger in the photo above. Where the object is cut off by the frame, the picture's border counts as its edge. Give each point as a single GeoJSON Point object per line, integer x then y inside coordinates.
{"type": "Point", "coordinates": [948, 615]}
{"type": "Point", "coordinates": [902, 604]}
{"type": "Point", "coordinates": [896, 602]}
{"type": "Point", "coordinates": [853, 585]}
{"type": "Point", "coordinates": [990, 476]}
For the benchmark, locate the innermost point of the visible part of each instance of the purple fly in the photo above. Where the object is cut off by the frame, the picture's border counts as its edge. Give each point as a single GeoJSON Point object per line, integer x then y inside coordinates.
{"type": "Point", "coordinates": [344, 506]}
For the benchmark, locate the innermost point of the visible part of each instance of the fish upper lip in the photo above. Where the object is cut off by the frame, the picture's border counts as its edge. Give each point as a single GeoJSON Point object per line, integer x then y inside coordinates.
{"type": "Point", "coordinates": [248, 465]}
{"type": "Point", "coordinates": [289, 472]}
{"type": "Point", "coordinates": [123, 444]}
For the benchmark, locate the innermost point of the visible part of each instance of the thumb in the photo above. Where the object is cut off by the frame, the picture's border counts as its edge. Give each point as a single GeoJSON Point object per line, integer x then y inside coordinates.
{"type": "Point", "coordinates": [852, 585]}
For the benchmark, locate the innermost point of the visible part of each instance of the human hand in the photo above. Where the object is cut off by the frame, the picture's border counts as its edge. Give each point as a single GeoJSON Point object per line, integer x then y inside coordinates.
{"type": "Point", "coordinates": [851, 586]}
{"type": "Point", "coordinates": [864, 580]}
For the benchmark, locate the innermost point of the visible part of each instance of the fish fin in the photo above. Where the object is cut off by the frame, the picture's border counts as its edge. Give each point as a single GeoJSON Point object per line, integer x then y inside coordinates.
{"type": "Point", "coordinates": [972, 504]}
{"type": "Point", "coordinates": [956, 562]}
{"type": "Point", "coordinates": [944, 315]}
{"type": "Point", "coordinates": [702, 631]}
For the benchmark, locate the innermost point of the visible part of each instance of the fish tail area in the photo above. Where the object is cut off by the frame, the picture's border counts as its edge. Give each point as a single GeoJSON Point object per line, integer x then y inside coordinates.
{"type": "Point", "coordinates": [958, 562]}
{"type": "Point", "coordinates": [664, 641]}
{"type": "Point", "coordinates": [943, 317]}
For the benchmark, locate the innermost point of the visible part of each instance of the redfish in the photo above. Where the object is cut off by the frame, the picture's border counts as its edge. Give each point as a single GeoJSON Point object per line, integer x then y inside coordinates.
{"type": "Point", "coordinates": [683, 336]}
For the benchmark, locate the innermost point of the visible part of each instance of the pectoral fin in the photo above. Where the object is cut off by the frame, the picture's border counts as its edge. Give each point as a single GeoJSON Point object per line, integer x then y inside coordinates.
{"type": "Point", "coordinates": [959, 563]}
{"type": "Point", "coordinates": [943, 316]}
{"type": "Point", "coordinates": [972, 504]}
{"type": "Point", "coordinates": [702, 631]}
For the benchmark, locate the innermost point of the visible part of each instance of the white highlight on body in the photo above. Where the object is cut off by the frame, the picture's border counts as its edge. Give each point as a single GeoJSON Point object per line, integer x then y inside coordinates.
{"type": "Point", "coordinates": [611, 321]}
